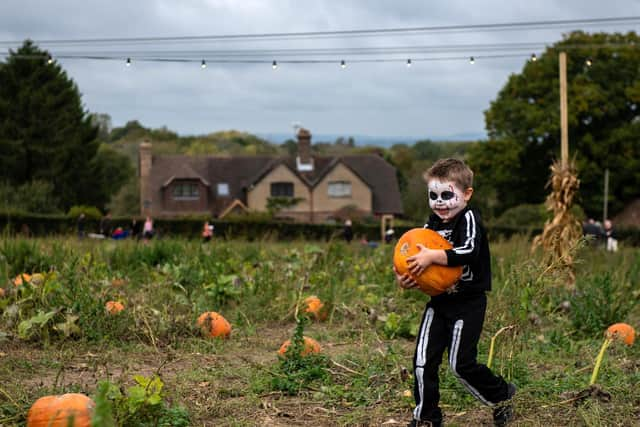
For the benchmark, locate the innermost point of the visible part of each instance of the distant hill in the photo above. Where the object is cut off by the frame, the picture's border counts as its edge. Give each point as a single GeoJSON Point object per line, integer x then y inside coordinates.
{"type": "Point", "coordinates": [380, 141]}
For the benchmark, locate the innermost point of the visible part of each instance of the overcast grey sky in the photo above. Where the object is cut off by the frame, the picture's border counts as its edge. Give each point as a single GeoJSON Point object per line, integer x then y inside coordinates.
{"type": "Point", "coordinates": [434, 99]}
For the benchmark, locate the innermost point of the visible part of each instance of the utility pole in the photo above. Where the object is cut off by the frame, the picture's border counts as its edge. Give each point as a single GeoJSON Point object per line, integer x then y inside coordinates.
{"type": "Point", "coordinates": [564, 120]}
{"type": "Point", "coordinates": [605, 209]}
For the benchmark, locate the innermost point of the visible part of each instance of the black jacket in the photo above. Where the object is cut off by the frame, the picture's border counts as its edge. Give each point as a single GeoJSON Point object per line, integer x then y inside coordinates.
{"type": "Point", "coordinates": [470, 250]}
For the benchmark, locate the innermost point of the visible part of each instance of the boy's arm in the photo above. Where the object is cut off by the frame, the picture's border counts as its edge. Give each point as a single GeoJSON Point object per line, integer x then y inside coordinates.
{"type": "Point", "coordinates": [469, 246]}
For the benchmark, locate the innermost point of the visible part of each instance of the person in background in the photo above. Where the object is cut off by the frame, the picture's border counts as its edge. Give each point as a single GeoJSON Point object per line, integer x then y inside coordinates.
{"type": "Point", "coordinates": [347, 231]}
{"type": "Point", "coordinates": [105, 225]}
{"type": "Point", "coordinates": [147, 229]}
{"type": "Point", "coordinates": [612, 241]}
{"type": "Point", "coordinates": [81, 224]}
{"type": "Point", "coordinates": [207, 232]}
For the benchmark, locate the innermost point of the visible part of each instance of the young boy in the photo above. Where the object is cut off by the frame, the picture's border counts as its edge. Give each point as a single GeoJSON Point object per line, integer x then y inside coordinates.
{"type": "Point", "coordinates": [453, 320]}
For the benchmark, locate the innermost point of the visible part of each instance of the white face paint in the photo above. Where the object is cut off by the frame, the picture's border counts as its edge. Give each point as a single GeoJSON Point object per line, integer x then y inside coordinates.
{"type": "Point", "coordinates": [445, 199]}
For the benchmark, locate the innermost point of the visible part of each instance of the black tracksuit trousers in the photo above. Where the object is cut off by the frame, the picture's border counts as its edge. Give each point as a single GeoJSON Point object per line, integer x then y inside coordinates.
{"type": "Point", "coordinates": [455, 326]}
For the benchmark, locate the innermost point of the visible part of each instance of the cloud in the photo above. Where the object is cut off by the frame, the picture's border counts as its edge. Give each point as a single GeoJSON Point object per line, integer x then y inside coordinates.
{"type": "Point", "coordinates": [432, 98]}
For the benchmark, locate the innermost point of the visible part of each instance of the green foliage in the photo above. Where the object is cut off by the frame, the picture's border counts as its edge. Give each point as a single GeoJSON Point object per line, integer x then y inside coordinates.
{"type": "Point", "coordinates": [90, 212]}
{"type": "Point", "coordinates": [525, 215]}
{"type": "Point", "coordinates": [277, 203]}
{"type": "Point", "coordinates": [602, 300]}
{"type": "Point", "coordinates": [32, 196]}
{"type": "Point", "coordinates": [141, 405]}
{"type": "Point", "coordinates": [296, 372]}
{"type": "Point", "coordinates": [126, 202]}
{"type": "Point", "coordinates": [49, 150]}
{"type": "Point", "coordinates": [523, 125]}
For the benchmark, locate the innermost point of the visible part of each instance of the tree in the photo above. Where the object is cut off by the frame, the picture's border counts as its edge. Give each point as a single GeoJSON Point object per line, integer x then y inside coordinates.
{"type": "Point", "coordinates": [44, 132]}
{"type": "Point", "coordinates": [524, 125]}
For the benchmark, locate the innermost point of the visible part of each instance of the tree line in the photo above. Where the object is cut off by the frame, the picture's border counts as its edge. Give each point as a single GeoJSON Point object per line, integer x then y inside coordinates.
{"type": "Point", "coordinates": [54, 154]}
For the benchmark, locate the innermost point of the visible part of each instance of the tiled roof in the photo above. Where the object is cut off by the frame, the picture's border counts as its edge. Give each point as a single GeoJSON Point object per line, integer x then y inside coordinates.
{"type": "Point", "coordinates": [241, 172]}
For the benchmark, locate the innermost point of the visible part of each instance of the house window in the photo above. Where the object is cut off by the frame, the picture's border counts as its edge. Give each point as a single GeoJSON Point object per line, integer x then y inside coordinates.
{"type": "Point", "coordinates": [185, 191]}
{"type": "Point", "coordinates": [339, 189]}
{"type": "Point", "coordinates": [282, 189]}
{"type": "Point", "coordinates": [223, 189]}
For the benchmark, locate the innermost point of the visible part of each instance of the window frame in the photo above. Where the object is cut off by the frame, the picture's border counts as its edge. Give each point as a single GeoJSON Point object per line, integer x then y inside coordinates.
{"type": "Point", "coordinates": [178, 190]}
{"type": "Point", "coordinates": [345, 189]}
{"type": "Point", "coordinates": [288, 187]}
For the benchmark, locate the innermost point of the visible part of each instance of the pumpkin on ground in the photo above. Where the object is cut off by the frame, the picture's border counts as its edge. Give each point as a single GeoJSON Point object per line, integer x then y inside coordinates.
{"type": "Point", "coordinates": [315, 307]}
{"type": "Point", "coordinates": [214, 325]}
{"type": "Point", "coordinates": [21, 278]}
{"type": "Point", "coordinates": [310, 346]}
{"type": "Point", "coordinates": [621, 331]}
{"type": "Point", "coordinates": [114, 307]}
{"type": "Point", "coordinates": [117, 283]}
{"type": "Point", "coordinates": [435, 279]}
{"type": "Point", "coordinates": [59, 411]}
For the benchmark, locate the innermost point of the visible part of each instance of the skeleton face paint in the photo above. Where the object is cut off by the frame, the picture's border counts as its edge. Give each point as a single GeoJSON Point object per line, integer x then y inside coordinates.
{"type": "Point", "coordinates": [445, 199]}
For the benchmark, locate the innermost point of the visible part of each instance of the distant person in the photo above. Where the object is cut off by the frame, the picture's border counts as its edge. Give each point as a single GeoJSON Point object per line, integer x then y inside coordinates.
{"type": "Point", "coordinates": [612, 241]}
{"type": "Point", "coordinates": [147, 229]}
{"type": "Point", "coordinates": [388, 235]}
{"type": "Point", "coordinates": [81, 225]}
{"type": "Point", "coordinates": [207, 232]}
{"type": "Point", "coordinates": [135, 229]}
{"type": "Point", "coordinates": [593, 231]}
{"type": "Point", "coordinates": [347, 231]}
{"type": "Point", "coordinates": [105, 225]}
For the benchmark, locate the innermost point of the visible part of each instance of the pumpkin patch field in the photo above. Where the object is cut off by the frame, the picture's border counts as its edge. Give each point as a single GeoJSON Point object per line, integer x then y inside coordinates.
{"type": "Point", "coordinates": [266, 333]}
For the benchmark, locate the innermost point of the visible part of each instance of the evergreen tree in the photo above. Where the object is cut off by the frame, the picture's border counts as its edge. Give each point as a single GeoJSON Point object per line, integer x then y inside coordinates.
{"type": "Point", "coordinates": [603, 75]}
{"type": "Point", "coordinates": [45, 134]}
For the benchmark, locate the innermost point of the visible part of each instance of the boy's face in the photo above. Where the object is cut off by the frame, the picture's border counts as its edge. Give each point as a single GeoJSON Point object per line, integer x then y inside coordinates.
{"type": "Point", "coordinates": [446, 199]}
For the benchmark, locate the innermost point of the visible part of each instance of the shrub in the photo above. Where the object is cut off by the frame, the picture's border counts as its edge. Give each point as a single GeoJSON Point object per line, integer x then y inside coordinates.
{"type": "Point", "coordinates": [90, 212]}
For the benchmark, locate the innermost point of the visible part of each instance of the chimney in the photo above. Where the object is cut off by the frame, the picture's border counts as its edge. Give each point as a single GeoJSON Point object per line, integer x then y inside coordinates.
{"type": "Point", "coordinates": [144, 170]}
{"type": "Point", "coordinates": [304, 160]}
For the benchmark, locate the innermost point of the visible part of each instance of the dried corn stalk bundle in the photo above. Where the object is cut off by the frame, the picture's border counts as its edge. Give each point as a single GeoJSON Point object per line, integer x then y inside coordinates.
{"type": "Point", "coordinates": [562, 233]}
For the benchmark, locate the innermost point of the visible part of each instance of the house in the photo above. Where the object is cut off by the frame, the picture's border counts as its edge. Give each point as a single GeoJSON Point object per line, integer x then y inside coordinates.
{"type": "Point", "coordinates": [320, 186]}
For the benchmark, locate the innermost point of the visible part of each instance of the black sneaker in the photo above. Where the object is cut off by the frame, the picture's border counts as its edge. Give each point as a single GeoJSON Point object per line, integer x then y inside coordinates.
{"type": "Point", "coordinates": [503, 412]}
{"type": "Point", "coordinates": [417, 423]}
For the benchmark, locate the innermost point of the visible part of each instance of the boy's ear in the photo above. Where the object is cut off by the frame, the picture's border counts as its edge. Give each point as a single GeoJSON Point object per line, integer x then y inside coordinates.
{"type": "Point", "coordinates": [467, 194]}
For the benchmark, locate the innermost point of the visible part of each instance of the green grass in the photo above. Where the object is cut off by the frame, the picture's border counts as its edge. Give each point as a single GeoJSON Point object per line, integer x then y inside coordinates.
{"type": "Point", "coordinates": [72, 343]}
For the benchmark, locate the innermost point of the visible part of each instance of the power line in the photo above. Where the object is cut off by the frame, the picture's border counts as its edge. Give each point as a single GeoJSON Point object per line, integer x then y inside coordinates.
{"type": "Point", "coordinates": [506, 26]}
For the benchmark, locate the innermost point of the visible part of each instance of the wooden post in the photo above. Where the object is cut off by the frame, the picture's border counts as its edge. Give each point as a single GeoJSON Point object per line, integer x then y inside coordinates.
{"type": "Point", "coordinates": [605, 209]}
{"type": "Point", "coordinates": [564, 120]}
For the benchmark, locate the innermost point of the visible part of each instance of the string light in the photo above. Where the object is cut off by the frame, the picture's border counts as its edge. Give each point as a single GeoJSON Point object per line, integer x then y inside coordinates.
{"type": "Point", "coordinates": [343, 64]}
{"type": "Point", "coordinates": [534, 58]}
{"type": "Point", "coordinates": [409, 62]}
{"type": "Point", "coordinates": [203, 65]}
{"type": "Point", "coordinates": [274, 64]}
{"type": "Point", "coordinates": [49, 60]}
{"type": "Point", "coordinates": [588, 62]}
{"type": "Point", "coordinates": [128, 63]}
{"type": "Point", "coordinates": [472, 60]}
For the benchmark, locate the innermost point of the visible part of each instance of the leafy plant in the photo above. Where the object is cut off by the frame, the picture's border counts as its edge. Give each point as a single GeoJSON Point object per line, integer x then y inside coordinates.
{"type": "Point", "coordinates": [140, 405]}
{"type": "Point", "coordinates": [600, 302]}
{"type": "Point", "coordinates": [296, 371]}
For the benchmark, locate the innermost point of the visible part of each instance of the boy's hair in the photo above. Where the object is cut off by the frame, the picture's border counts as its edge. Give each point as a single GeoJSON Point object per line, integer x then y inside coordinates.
{"type": "Point", "coordinates": [451, 170]}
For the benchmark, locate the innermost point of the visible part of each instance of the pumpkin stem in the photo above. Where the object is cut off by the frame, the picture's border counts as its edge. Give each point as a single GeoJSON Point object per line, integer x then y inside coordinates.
{"type": "Point", "coordinates": [493, 342]}
{"type": "Point", "coordinates": [596, 368]}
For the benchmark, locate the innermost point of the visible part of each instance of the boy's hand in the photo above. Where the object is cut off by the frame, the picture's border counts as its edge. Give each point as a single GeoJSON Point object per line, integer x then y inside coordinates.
{"type": "Point", "coordinates": [420, 261]}
{"type": "Point", "coordinates": [404, 280]}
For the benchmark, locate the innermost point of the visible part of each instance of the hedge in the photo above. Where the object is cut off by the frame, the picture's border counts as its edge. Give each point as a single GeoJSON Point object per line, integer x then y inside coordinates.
{"type": "Point", "coordinates": [47, 225]}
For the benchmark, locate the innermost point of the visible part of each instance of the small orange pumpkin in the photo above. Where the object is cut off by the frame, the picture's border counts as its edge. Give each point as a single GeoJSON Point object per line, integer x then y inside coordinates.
{"type": "Point", "coordinates": [310, 346]}
{"type": "Point", "coordinates": [214, 325]}
{"type": "Point", "coordinates": [435, 279]}
{"type": "Point", "coordinates": [314, 306]}
{"type": "Point", "coordinates": [2, 293]}
{"type": "Point", "coordinates": [114, 307]}
{"type": "Point", "coordinates": [621, 331]}
{"type": "Point", "coordinates": [20, 278]}
{"type": "Point", "coordinates": [58, 411]}
{"type": "Point", "coordinates": [117, 283]}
